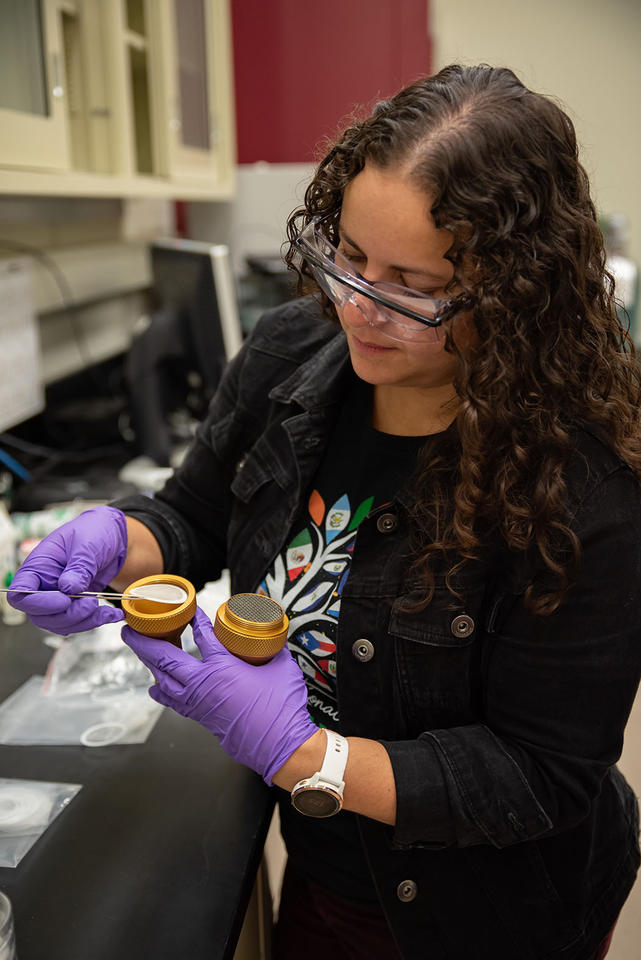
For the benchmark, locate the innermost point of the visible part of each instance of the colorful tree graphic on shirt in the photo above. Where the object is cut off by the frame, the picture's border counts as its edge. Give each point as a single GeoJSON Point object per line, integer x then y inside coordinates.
{"type": "Point", "coordinates": [308, 579]}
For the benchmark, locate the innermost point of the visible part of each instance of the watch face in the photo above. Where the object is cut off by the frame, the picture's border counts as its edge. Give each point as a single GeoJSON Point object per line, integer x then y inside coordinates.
{"type": "Point", "coordinates": [316, 803]}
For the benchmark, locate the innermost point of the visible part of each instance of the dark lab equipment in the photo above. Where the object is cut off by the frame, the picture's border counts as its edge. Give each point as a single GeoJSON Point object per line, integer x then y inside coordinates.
{"type": "Point", "coordinates": [177, 359]}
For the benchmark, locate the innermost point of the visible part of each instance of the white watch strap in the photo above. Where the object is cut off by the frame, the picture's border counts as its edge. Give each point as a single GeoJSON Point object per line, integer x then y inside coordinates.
{"type": "Point", "coordinates": [335, 761]}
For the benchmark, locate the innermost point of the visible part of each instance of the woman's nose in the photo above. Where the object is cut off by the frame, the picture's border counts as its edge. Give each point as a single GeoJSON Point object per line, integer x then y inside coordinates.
{"type": "Point", "coordinates": [359, 311]}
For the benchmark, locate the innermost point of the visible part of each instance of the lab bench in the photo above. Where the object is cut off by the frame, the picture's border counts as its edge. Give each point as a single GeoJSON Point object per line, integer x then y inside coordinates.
{"type": "Point", "coordinates": [157, 854]}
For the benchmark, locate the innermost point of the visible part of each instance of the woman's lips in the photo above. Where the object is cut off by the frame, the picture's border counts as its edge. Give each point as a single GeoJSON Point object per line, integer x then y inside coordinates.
{"type": "Point", "coordinates": [369, 348]}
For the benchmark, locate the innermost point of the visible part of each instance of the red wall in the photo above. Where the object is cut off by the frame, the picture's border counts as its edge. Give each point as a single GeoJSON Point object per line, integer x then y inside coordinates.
{"type": "Point", "coordinates": [301, 66]}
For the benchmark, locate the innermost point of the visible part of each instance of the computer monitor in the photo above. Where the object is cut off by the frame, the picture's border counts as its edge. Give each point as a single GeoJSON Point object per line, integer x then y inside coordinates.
{"type": "Point", "coordinates": [193, 327]}
{"type": "Point", "coordinates": [194, 280]}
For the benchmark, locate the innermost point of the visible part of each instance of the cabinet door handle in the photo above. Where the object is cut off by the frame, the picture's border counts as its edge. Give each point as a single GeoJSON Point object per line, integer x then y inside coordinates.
{"type": "Point", "coordinates": [57, 89]}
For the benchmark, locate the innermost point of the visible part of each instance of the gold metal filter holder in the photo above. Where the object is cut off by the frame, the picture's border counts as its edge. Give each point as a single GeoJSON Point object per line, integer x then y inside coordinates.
{"type": "Point", "coordinates": [252, 627]}
{"type": "Point", "coordinates": [160, 619]}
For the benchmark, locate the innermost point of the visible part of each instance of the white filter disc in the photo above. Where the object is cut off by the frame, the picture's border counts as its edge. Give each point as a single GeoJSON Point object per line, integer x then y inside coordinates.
{"type": "Point", "coordinates": [103, 734]}
{"type": "Point", "coordinates": [22, 808]}
{"type": "Point", "coordinates": [164, 592]}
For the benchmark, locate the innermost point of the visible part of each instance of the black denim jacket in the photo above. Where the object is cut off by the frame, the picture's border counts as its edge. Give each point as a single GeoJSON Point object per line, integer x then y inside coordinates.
{"type": "Point", "coordinates": [516, 836]}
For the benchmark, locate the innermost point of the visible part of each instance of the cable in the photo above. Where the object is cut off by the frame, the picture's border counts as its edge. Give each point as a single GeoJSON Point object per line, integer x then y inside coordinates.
{"type": "Point", "coordinates": [64, 290]}
{"type": "Point", "coordinates": [53, 456]}
{"type": "Point", "coordinates": [78, 456]}
{"type": "Point", "coordinates": [14, 466]}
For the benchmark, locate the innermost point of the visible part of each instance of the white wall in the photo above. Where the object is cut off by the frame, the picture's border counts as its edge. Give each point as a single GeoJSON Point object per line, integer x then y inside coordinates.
{"type": "Point", "coordinates": [587, 54]}
{"type": "Point", "coordinates": [255, 222]}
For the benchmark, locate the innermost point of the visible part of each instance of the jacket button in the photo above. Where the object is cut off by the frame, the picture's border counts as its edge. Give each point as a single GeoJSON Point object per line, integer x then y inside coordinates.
{"type": "Point", "coordinates": [462, 626]}
{"type": "Point", "coordinates": [387, 523]}
{"type": "Point", "coordinates": [406, 891]}
{"type": "Point", "coordinates": [363, 650]}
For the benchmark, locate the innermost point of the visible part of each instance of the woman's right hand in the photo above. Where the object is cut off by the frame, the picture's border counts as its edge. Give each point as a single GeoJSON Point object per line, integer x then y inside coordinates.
{"type": "Point", "coordinates": [83, 554]}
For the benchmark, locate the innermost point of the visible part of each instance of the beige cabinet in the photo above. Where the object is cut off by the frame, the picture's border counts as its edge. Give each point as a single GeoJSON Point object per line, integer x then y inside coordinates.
{"type": "Point", "coordinates": [195, 138]}
{"type": "Point", "coordinates": [33, 115]}
{"type": "Point", "coordinates": [116, 98]}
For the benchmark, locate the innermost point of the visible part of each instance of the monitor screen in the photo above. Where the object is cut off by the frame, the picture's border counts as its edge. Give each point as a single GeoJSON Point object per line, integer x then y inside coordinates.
{"type": "Point", "coordinates": [193, 328]}
{"type": "Point", "coordinates": [193, 281]}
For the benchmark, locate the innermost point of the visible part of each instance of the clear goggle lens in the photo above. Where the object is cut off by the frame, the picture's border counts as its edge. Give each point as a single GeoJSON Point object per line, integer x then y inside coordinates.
{"type": "Point", "coordinates": [380, 303]}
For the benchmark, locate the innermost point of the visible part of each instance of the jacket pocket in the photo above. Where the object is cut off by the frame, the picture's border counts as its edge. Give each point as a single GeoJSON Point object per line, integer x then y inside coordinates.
{"type": "Point", "coordinates": [254, 469]}
{"type": "Point", "coordinates": [435, 657]}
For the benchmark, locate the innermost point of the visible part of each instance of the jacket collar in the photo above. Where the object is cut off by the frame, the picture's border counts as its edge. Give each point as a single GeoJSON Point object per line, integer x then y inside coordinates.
{"type": "Point", "coordinates": [317, 382]}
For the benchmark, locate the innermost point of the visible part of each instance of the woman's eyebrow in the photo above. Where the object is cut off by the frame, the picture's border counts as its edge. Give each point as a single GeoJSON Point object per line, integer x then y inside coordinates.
{"type": "Point", "coordinates": [419, 273]}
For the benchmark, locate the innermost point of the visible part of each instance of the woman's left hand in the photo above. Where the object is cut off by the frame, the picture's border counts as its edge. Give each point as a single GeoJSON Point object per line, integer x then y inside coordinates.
{"type": "Point", "coordinates": [259, 713]}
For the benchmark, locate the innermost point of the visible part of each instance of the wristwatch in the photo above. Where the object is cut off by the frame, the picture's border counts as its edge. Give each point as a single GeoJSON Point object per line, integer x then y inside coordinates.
{"type": "Point", "coordinates": [322, 794]}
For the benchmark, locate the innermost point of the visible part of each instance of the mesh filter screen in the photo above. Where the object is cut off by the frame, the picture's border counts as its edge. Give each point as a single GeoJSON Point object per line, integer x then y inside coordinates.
{"type": "Point", "coordinates": [254, 608]}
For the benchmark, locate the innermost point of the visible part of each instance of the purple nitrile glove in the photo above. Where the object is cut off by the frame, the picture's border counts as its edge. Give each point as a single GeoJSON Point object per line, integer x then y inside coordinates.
{"type": "Point", "coordinates": [83, 554]}
{"type": "Point", "coordinates": [258, 713]}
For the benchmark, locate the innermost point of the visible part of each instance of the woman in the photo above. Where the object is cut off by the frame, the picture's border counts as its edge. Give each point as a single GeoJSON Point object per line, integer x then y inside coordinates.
{"type": "Point", "coordinates": [442, 491]}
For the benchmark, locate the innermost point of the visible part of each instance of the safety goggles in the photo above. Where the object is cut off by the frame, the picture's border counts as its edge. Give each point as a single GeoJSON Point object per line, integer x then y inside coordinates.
{"type": "Point", "coordinates": [400, 312]}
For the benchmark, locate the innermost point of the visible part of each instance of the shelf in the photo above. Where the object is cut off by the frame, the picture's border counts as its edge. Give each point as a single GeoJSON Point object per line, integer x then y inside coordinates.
{"type": "Point", "coordinates": [36, 183]}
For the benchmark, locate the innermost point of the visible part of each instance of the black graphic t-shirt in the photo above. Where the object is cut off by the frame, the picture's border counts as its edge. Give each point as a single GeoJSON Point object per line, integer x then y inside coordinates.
{"type": "Point", "coordinates": [362, 469]}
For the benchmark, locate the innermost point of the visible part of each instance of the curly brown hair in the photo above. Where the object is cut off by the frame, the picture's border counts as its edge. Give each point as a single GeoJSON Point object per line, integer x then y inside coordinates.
{"type": "Point", "coordinates": [501, 164]}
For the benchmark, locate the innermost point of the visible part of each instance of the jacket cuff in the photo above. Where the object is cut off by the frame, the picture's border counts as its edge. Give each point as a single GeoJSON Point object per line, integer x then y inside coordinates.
{"type": "Point", "coordinates": [461, 787]}
{"type": "Point", "coordinates": [158, 518]}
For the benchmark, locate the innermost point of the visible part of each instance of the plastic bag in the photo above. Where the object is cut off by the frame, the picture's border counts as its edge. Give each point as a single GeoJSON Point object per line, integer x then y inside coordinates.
{"type": "Point", "coordinates": [94, 694]}
{"type": "Point", "coordinates": [106, 715]}
{"type": "Point", "coordinates": [95, 659]}
{"type": "Point", "coordinates": [27, 807]}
